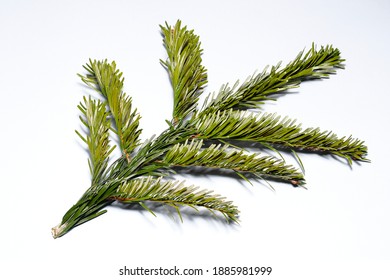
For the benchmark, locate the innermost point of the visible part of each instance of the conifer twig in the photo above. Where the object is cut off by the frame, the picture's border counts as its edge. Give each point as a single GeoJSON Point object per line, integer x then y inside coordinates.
{"type": "Point", "coordinates": [224, 157]}
{"type": "Point", "coordinates": [175, 194]}
{"type": "Point", "coordinates": [187, 75]}
{"type": "Point", "coordinates": [105, 78]}
{"type": "Point", "coordinates": [140, 174]}
{"type": "Point", "coordinates": [96, 120]}
{"type": "Point", "coordinates": [315, 64]}
{"type": "Point", "coordinates": [272, 129]}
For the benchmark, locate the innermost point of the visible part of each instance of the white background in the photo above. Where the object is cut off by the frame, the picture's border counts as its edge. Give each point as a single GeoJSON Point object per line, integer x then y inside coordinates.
{"type": "Point", "coordinates": [337, 229]}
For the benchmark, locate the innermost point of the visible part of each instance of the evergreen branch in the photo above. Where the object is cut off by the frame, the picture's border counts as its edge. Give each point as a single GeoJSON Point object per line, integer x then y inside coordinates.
{"type": "Point", "coordinates": [272, 129]}
{"type": "Point", "coordinates": [96, 120]}
{"type": "Point", "coordinates": [259, 88]}
{"type": "Point", "coordinates": [174, 194]}
{"type": "Point", "coordinates": [223, 157]}
{"type": "Point", "coordinates": [182, 145]}
{"type": "Point", "coordinates": [107, 80]}
{"type": "Point", "coordinates": [188, 76]}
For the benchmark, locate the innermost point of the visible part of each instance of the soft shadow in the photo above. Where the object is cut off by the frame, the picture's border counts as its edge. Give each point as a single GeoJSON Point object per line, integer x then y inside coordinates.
{"type": "Point", "coordinates": [188, 214]}
{"type": "Point", "coordinates": [197, 171]}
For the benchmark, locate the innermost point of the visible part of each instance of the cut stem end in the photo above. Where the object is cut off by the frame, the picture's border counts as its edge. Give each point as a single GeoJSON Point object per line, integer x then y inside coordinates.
{"type": "Point", "coordinates": [58, 230]}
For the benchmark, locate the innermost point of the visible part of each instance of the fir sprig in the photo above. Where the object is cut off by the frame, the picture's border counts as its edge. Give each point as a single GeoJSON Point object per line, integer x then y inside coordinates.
{"type": "Point", "coordinates": [96, 121]}
{"type": "Point", "coordinates": [174, 194]}
{"type": "Point", "coordinates": [184, 64]}
{"type": "Point", "coordinates": [105, 78]}
{"type": "Point", "coordinates": [315, 64]}
{"type": "Point", "coordinates": [140, 174]}
{"type": "Point", "coordinates": [267, 128]}
{"type": "Point", "coordinates": [193, 154]}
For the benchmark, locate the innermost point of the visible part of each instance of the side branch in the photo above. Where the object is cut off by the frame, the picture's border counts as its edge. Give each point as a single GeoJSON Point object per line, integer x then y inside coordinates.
{"type": "Point", "coordinates": [225, 157]}
{"type": "Point", "coordinates": [315, 64]}
{"type": "Point", "coordinates": [95, 118]}
{"type": "Point", "coordinates": [174, 194]}
{"type": "Point", "coordinates": [272, 129]}
{"type": "Point", "coordinates": [106, 79]}
{"type": "Point", "coordinates": [184, 65]}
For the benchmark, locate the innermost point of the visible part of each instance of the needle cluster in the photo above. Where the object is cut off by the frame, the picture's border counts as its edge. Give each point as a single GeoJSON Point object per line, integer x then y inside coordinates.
{"type": "Point", "coordinates": [213, 136]}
